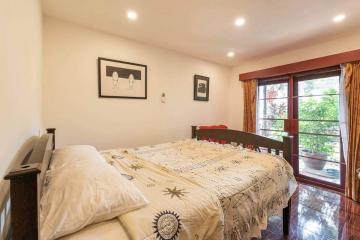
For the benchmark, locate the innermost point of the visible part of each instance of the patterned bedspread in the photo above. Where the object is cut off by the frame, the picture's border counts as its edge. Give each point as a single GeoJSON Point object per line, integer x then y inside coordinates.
{"type": "Point", "coordinates": [178, 208]}
{"type": "Point", "coordinates": [214, 191]}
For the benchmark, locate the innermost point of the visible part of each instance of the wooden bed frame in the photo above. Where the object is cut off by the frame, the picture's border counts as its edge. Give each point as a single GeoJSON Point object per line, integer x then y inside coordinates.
{"type": "Point", "coordinates": [27, 179]}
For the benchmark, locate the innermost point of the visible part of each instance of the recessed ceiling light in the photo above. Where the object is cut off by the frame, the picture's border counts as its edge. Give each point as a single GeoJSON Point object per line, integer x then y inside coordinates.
{"type": "Point", "coordinates": [339, 18]}
{"type": "Point", "coordinates": [230, 54]}
{"type": "Point", "coordinates": [132, 15]}
{"type": "Point", "coordinates": [240, 21]}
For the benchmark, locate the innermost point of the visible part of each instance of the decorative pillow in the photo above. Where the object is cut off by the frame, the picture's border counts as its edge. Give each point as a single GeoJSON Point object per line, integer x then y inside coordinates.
{"type": "Point", "coordinates": [213, 127]}
{"type": "Point", "coordinates": [83, 189]}
{"type": "Point", "coordinates": [221, 141]}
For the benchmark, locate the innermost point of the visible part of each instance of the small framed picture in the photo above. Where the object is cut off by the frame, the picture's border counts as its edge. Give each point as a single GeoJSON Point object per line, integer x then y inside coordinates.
{"type": "Point", "coordinates": [201, 88]}
{"type": "Point", "coordinates": [118, 79]}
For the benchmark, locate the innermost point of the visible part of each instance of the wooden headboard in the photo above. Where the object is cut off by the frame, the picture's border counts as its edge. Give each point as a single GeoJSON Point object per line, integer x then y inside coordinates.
{"type": "Point", "coordinates": [26, 181]}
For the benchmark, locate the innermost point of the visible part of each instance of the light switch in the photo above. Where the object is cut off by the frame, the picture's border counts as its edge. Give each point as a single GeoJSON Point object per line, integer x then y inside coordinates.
{"type": "Point", "coordinates": [163, 98]}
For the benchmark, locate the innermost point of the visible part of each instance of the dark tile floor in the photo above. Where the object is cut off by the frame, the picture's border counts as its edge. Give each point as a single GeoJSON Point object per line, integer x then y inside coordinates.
{"type": "Point", "coordinates": [320, 214]}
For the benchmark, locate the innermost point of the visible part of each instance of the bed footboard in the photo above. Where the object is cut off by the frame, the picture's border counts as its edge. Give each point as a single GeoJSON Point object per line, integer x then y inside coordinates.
{"type": "Point", "coordinates": [253, 141]}
{"type": "Point", "coordinates": [246, 139]}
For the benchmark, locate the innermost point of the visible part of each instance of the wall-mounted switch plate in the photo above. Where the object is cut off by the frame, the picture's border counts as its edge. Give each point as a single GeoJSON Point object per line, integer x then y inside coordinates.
{"type": "Point", "coordinates": [163, 97]}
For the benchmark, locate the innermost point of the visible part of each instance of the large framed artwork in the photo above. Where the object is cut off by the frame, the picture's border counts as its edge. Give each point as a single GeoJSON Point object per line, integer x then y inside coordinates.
{"type": "Point", "coordinates": [118, 79]}
{"type": "Point", "coordinates": [201, 88]}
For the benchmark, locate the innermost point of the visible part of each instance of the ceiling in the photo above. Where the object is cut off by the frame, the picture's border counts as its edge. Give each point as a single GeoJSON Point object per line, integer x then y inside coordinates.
{"type": "Point", "coordinates": [205, 28]}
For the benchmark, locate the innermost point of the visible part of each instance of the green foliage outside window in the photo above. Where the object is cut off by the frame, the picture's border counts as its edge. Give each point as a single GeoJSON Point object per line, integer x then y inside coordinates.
{"type": "Point", "coordinates": [325, 108]}
{"type": "Point", "coordinates": [311, 108]}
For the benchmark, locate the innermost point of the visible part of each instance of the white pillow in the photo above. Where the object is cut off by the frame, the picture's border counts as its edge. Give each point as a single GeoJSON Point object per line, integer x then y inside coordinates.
{"type": "Point", "coordinates": [83, 189]}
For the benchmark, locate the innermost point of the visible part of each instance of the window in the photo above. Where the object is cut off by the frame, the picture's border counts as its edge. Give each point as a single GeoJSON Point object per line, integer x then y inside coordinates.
{"type": "Point", "coordinates": [272, 109]}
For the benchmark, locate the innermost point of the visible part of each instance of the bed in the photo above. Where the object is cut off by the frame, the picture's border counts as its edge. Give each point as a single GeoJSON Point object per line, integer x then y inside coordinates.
{"type": "Point", "coordinates": [237, 186]}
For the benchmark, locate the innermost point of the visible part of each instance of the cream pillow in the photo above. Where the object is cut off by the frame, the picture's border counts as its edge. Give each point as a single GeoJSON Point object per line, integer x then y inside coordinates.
{"type": "Point", "coordinates": [82, 189]}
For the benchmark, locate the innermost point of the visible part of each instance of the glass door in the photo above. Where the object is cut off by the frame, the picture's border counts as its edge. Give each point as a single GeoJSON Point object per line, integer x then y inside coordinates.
{"type": "Point", "coordinates": [306, 107]}
{"type": "Point", "coordinates": [318, 153]}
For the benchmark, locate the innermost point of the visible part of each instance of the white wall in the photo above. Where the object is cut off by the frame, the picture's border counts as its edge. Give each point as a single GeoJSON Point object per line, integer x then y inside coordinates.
{"type": "Point", "coordinates": [20, 82]}
{"type": "Point", "coordinates": [236, 101]}
{"type": "Point", "coordinates": [71, 103]}
{"type": "Point", "coordinates": [341, 44]}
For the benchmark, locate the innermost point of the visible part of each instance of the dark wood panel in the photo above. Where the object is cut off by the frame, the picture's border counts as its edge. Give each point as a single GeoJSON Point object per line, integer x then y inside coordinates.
{"type": "Point", "coordinates": [308, 65]}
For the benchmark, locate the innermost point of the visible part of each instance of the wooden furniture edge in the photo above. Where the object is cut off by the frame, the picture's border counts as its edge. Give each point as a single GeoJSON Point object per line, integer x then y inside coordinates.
{"type": "Point", "coordinates": [256, 141]}
{"type": "Point", "coordinates": [24, 193]}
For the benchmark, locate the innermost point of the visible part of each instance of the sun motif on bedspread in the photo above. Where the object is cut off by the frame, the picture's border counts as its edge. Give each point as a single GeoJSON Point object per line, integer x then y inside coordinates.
{"type": "Point", "coordinates": [175, 192]}
{"type": "Point", "coordinates": [167, 225]}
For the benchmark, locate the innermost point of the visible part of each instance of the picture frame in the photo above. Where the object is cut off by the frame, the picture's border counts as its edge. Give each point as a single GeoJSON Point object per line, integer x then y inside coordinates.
{"type": "Point", "coordinates": [201, 88]}
{"type": "Point", "coordinates": [120, 79]}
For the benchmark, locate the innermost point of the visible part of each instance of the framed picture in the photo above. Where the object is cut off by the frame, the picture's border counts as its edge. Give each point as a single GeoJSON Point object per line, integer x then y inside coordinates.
{"type": "Point", "coordinates": [118, 79]}
{"type": "Point", "coordinates": [201, 88]}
